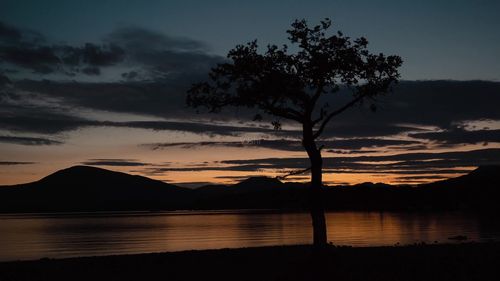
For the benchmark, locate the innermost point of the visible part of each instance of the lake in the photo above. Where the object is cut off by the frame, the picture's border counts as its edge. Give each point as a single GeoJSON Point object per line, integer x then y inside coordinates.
{"type": "Point", "coordinates": [34, 236]}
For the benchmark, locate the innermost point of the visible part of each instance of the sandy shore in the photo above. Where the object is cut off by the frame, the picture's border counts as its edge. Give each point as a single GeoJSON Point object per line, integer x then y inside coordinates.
{"type": "Point", "coordinates": [471, 261]}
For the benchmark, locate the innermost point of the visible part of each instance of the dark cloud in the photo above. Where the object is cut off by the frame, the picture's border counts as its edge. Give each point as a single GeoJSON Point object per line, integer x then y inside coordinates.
{"type": "Point", "coordinates": [91, 70]}
{"type": "Point", "coordinates": [351, 151]}
{"type": "Point", "coordinates": [193, 127]}
{"type": "Point", "coordinates": [134, 38]}
{"type": "Point", "coordinates": [49, 59]}
{"type": "Point", "coordinates": [163, 99]}
{"type": "Point", "coordinates": [458, 135]}
{"type": "Point", "coordinates": [238, 178]}
{"type": "Point", "coordinates": [115, 162]}
{"type": "Point", "coordinates": [41, 59]}
{"type": "Point", "coordinates": [404, 163]}
{"type": "Point", "coordinates": [30, 119]}
{"type": "Point", "coordinates": [90, 54]}
{"type": "Point", "coordinates": [365, 130]}
{"type": "Point", "coordinates": [131, 75]}
{"type": "Point", "coordinates": [18, 114]}
{"type": "Point", "coordinates": [28, 140]}
{"type": "Point", "coordinates": [425, 177]}
{"type": "Point", "coordinates": [26, 119]}
{"type": "Point", "coordinates": [160, 69]}
{"type": "Point", "coordinates": [289, 145]}
{"type": "Point", "coordinates": [161, 55]}
{"type": "Point", "coordinates": [101, 55]}
{"type": "Point", "coordinates": [11, 163]}
{"type": "Point", "coordinates": [359, 143]}
{"type": "Point", "coordinates": [50, 123]}
{"type": "Point", "coordinates": [10, 35]}
{"type": "Point", "coordinates": [411, 167]}
{"type": "Point", "coordinates": [197, 168]}
{"type": "Point", "coordinates": [158, 55]}
{"type": "Point", "coordinates": [409, 147]}
{"type": "Point", "coordinates": [4, 80]}
{"type": "Point", "coordinates": [167, 99]}
{"type": "Point", "coordinates": [435, 103]}
{"type": "Point", "coordinates": [28, 50]}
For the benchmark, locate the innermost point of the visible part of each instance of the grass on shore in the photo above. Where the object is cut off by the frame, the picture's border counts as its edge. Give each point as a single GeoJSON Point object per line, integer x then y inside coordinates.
{"type": "Point", "coordinates": [471, 261]}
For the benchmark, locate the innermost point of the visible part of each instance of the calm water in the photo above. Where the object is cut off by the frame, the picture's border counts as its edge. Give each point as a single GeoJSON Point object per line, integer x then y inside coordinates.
{"type": "Point", "coordinates": [67, 235]}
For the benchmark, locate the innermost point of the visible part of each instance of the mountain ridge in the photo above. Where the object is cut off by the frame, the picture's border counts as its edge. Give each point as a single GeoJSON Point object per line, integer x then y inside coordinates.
{"type": "Point", "coordinates": [94, 189]}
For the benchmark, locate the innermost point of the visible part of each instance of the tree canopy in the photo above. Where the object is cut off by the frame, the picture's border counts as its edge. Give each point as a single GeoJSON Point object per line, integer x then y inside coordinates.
{"type": "Point", "coordinates": [290, 85]}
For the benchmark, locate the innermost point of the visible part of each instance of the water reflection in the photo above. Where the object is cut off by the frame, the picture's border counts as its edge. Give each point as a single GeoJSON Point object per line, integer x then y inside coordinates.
{"type": "Point", "coordinates": [66, 235]}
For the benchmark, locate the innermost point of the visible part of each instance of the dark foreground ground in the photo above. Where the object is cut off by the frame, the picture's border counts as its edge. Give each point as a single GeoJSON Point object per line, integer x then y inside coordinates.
{"type": "Point", "coordinates": [430, 262]}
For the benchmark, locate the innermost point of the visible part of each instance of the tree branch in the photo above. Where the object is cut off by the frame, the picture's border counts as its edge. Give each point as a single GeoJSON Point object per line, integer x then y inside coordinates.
{"type": "Point", "coordinates": [316, 95]}
{"type": "Point", "coordinates": [298, 172]}
{"type": "Point", "coordinates": [336, 112]}
{"type": "Point", "coordinates": [287, 113]}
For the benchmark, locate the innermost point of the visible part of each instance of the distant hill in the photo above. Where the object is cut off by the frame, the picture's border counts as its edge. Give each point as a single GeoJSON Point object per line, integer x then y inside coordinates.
{"type": "Point", "coordinates": [480, 189]}
{"type": "Point", "coordinates": [484, 177]}
{"type": "Point", "coordinates": [84, 188]}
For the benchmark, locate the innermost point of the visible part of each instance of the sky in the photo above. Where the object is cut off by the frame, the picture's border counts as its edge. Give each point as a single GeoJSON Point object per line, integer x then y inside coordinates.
{"type": "Point", "coordinates": [103, 83]}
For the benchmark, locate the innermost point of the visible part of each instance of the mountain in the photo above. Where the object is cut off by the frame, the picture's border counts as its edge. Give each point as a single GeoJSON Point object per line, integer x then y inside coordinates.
{"type": "Point", "coordinates": [485, 177]}
{"type": "Point", "coordinates": [83, 188]}
{"type": "Point", "coordinates": [252, 193]}
{"type": "Point", "coordinates": [480, 189]}
{"type": "Point", "coordinates": [255, 184]}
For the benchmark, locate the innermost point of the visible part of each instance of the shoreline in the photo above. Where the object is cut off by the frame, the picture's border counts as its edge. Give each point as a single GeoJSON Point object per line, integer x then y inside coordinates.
{"type": "Point", "coordinates": [464, 261]}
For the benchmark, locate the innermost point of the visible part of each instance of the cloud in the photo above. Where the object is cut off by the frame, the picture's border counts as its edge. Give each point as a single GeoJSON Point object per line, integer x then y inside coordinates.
{"type": "Point", "coordinates": [166, 99]}
{"type": "Point", "coordinates": [27, 118]}
{"type": "Point", "coordinates": [115, 162]}
{"type": "Point", "coordinates": [91, 70]}
{"type": "Point", "coordinates": [28, 140]}
{"type": "Point", "coordinates": [4, 80]}
{"type": "Point", "coordinates": [435, 103]}
{"type": "Point", "coordinates": [289, 145]}
{"type": "Point", "coordinates": [10, 35]}
{"type": "Point", "coordinates": [458, 135]}
{"type": "Point", "coordinates": [203, 167]}
{"type": "Point", "coordinates": [425, 177]}
{"type": "Point", "coordinates": [162, 56]}
{"type": "Point", "coordinates": [351, 151]}
{"type": "Point", "coordinates": [195, 127]}
{"type": "Point", "coordinates": [12, 163]}
{"type": "Point", "coordinates": [28, 50]}
{"type": "Point", "coordinates": [96, 55]}
{"type": "Point", "coordinates": [40, 120]}
{"type": "Point", "coordinates": [133, 38]}
{"type": "Point", "coordinates": [158, 69]}
{"type": "Point", "coordinates": [162, 53]}
{"type": "Point", "coordinates": [406, 163]}
{"type": "Point", "coordinates": [49, 123]}
{"type": "Point", "coordinates": [39, 59]}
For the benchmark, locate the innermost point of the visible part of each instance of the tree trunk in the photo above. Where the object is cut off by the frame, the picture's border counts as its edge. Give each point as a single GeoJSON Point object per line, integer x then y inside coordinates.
{"type": "Point", "coordinates": [316, 203]}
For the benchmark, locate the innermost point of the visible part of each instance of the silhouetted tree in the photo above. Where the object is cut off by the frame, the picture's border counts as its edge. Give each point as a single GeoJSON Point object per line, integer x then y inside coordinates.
{"type": "Point", "coordinates": [291, 85]}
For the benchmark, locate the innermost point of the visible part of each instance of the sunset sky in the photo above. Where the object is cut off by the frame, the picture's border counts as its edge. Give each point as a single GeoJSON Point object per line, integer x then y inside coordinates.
{"type": "Point", "coordinates": [103, 83]}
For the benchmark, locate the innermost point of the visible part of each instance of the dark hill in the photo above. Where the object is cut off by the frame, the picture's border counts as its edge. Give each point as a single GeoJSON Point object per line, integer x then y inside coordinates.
{"type": "Point", "coordinates": [480, 189]}
{"type": "Point", "coordinates": [84, 188]}
{"type": "Point", "coordinates": [252, 193]}
{"type": "Point", "coordinates": [484, 177]}
{"type": "Point", "coordinates": [255, 184]}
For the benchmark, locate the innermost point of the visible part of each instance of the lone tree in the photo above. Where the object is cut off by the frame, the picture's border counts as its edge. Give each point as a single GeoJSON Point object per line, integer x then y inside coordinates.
{"type": "Point", "coordinates": [292, 85]}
